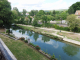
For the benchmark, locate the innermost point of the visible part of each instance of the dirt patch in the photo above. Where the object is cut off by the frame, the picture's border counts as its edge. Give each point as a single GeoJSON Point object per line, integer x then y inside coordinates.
{"type": "Point", "coordinates": [71, 36]}
{"type": "Point", "coordinates": [2, 30]}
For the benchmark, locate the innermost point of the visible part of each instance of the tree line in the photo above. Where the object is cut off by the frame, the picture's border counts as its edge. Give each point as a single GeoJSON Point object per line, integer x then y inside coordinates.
{"type": "Point", "coordinates": [8, 16]}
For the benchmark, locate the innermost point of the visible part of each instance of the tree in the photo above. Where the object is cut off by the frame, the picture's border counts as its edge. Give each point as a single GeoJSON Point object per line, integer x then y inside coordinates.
{"type": "Point", "coordinates": [40, 14]}
{"type": "Point", "coordinates": [35, 23]}
{"type": "Point", "coordinates": [72, 9]}
{"type": "Point", "coordinates": [6, 16]}
{"type": "Point", "coordinates": [44, 19]}
{"type": "Point", "coordinates": [29, 19]}
{"type": "Point", "coordinates": [33, 12]}
{"type": "Point", "coordinates": [53, 13]}
{"type": "Point", "coordinates": [15, 16]}
{"type": "Point", "coordinates": [73, 23]}
{"type": "Point", "coordinates": [24, 12]}
{"type": "Point", "coordinates": [15, 8]}
{"type": "Point", "coordinates": [64, 15]}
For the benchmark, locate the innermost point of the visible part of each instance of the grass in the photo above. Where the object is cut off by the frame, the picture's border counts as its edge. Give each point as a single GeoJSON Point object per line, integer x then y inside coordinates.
{"type": "Point", "coordinates": [21, 50]}
{"type": "Point", "coordinates": [70, 36]}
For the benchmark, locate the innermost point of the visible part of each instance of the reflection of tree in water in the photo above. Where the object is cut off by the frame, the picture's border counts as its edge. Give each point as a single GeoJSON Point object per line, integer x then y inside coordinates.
{"type": "Point", "coordinates": [29, 33]}
{"type": "Point", "coordinates": [45, 39]}
{"type": "Point", "coordinates": [22, 31]}
{"type": "Point", "coordinates": [15, 28]}
{"type": "Point", "coordinates": [36, 36]}
{"type": "Point", "coordinates": [70, 50]}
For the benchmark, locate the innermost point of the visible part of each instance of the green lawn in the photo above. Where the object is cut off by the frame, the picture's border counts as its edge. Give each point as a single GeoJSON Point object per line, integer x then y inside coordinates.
{"type": "Point", "coordinates": [21, 50]}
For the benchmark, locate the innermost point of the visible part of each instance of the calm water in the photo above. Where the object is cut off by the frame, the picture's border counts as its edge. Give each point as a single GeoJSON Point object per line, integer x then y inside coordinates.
{"type": "Point", "coordinates": [60, 49]}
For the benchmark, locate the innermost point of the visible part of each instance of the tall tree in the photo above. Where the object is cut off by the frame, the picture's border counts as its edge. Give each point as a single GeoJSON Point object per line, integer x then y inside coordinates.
{"type": "Point", "coordinates": [64, 15]}
{"type": "Point", "coordinates": [40, 14]}
{"type": "Point", "coordinates": [24, 12]}
{"type": "Point", "coordinates": [6, 16]}
{"type": "Point", "coordinates": [73, 23]}
{"type": "Point", "coordinates": [15, 15]}
{"type": "Point", "coordinates": [33, 12]}
{"type": "Point", "coordinates": [72, 9]}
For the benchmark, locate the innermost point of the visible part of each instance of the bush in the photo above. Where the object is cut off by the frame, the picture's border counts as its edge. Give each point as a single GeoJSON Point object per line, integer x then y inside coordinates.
{"type": "Point", "coordinates": [22, 38]}
{"type": "Point", "coordinates": [32, 44]}
{"type": "Point", "coordinates": [61, 28]}
{"type": "Point", "coordinates": [55, 37]}
{"type": "Point", "coordinates": [37, 47]}
{"type": "Point", "coordinates": [25, 41]}
{"type": "Point", "coordinates": [53, 57]}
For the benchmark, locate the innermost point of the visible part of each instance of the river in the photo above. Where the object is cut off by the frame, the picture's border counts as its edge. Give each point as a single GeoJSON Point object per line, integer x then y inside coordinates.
{"type": "Point", "coordinates": [61, 49]}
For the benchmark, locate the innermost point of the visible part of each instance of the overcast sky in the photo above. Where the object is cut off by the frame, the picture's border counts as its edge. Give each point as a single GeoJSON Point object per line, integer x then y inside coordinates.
{"type": "Point", "coordinates": [42, 4]}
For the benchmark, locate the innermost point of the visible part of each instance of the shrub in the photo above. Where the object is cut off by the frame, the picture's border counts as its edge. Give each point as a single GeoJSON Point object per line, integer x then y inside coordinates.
{"type": "Point", "coordinates": [22, 38]}
{"type": "Point", "coordinates": [55, 37]}
{"type": "Point", "coordinates": [32, 44]}
{"type": "Point", "coordinates": [61, 28]}
{"type": "Point", "coordinates": [25, 41]}
{"type": "Point", "coordinates": [37, 47]}
{"type": "Point", "coordinates": [52, 57]}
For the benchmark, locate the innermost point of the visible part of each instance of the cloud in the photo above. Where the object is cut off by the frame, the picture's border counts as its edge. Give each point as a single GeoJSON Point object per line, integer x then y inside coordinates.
{"type": "Point", "coordinates": [38, 4]}
{"type": "Point", "coordinates": [55, 45]}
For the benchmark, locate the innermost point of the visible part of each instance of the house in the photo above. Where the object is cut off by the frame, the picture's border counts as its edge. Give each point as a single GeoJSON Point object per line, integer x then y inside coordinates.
{"type": "Point", "coordinates": [27, 13]}
{"type": "Point", "coordinates": [77, 13]}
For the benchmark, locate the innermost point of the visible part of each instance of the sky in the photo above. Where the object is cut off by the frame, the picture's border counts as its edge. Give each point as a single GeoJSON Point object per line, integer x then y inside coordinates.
{"type": "Point", "coordinates": [42, 4]}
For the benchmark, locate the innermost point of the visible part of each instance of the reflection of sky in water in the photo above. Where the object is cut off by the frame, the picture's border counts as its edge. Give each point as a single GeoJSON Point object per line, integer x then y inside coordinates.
{"type": "Point", "coordinates": [16, 33]}
{"type": "Point", "coordinates": [51, 46]}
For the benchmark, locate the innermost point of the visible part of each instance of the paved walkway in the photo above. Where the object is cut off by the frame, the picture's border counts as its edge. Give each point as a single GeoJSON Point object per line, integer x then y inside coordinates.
{"type": "Point", "coordinates": [55, 34]}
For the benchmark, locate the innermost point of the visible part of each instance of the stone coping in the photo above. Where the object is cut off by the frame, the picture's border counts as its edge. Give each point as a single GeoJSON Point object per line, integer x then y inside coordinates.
{"type": "Point", "coordinates": [6, 52]}
{"type": "Point", "coordinates": [9, 36]}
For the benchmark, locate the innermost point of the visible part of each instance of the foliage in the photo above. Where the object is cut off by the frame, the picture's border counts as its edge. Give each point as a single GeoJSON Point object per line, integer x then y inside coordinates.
{"type": "Point", "coordinates": [15, 15]}
{"type": "Point", "coordinates": [33, 12]}
{"type": "Point", "coordinates": [29, 20]}
{"type": "Point", "coordinates": [44, 19]}
{"type": "Point", "coordinates": [32, 44]}
{"type": "Point", "coordinates": [72, 9]}
{"type": "Point", "coordinates": [39, 15]}
{"type": "Point", "coordinates": [8, 31]}
{"type": "Point", "coordinates": [35, 23]}
{"type": "Point", "coordinates": [55, 37]}
{"type": "Point", "coordinates": [61, 28]}
{"type": "Point", "coordinates": [22, 38]}
{"type": "Point", "coordinates": [37, 47]}
{"type": "Point", "coordinates": [6, 16]}
{"type": "Point", "coordinates": [25, 41]}
{"type": "Point", "coordinates": [24, 12]}
{"type": "Point", "coordinates": [64, 15]}
{"type": "Point", "coordinates": [52, 57]}
{"type": "Point", "coordinates": [73, 22]}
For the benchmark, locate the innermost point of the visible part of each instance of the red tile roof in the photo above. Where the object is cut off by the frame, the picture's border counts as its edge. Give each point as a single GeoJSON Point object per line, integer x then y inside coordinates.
{"type": "Point", "coordinates": [77, 12]}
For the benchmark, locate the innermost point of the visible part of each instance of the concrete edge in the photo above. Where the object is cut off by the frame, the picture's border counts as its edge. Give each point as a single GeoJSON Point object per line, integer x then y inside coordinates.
{"type": "Point", "coordinates": [6, 52]}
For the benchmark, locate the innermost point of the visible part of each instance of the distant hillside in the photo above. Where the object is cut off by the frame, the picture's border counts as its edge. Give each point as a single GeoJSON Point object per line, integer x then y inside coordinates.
{"type": "Point", "coordinates": [56, 10]}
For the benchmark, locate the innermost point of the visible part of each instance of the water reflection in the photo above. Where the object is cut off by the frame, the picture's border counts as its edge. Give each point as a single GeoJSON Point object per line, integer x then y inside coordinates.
{"type": "Point", "coordinates": [35, 36]}
{"type": "Point", "coordinates": [29, 33]}
{"type": "Point", "coordinates": [70, 50]}
{"type": "Point", "coordinates": [45, 39]}
{"type": "Point", "coordinates": [22, 31]}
